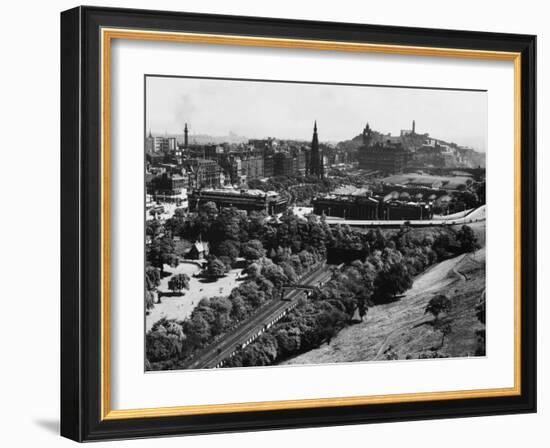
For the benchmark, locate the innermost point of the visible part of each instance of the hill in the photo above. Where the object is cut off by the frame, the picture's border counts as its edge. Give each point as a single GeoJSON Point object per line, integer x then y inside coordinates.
{"type": "Point", "coordinates": [402, 330]}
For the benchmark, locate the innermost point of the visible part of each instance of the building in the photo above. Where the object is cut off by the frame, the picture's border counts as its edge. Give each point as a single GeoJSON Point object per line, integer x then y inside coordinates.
{"type": "Point", "coordinates": [283, 164]}
{"type": "Point", "coordinates": [199, 250]}
{"type": "Point", "coordinates": [409, 131]}
{"type": "Point", "coordinates": [254, 167]}
{"type": "Point", "coordinates": [263, 145]}
{"type": "Point", "coordinates": [316, 167]}
{"type": "Point", "coordinates": [154, 158]}
{"type": "Point", "coordinates": [347, 207]}
{"type": "Point", "coordinates": [249, 200]}
{"type": "Point", "coordinates": [168, 145]}
{"type": "Point", "coordinates": [387, 156]}
{"type": "Point", "coordinates": [149, 143]}
{"type": "Point", "coordinates": [300, 162]}
{"type": "Point", "coordinates": [235, 170]}
{"type": "Point", "coordinates": [366, 207]}
{"type": "Point", "coordinates": [269, 166]}
{"type": "Point", "coordinates": [169, 187]}
{"type": "Point", "coordinates": [203, 173]}
{"type": "Point", "coordinates": [156, 144]}
{"type": "Point", "coordinates": [401, 210]}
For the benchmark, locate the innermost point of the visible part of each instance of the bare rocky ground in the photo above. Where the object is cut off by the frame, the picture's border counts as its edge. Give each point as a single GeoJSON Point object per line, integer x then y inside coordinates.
{"type": "Point", "coordinates": [402, 330]}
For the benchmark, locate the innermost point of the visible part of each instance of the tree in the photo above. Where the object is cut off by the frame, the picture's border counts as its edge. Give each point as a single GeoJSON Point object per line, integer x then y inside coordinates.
{"type": "Point", "coordinates": [253, 269]}
{"type": "Point", "coordinates": [161, 252]}
{"type": "Point", "coordinates": [438, 304]}
{"type": "Point", "coordinates": [215, 268]}
{"type": "Point", "coordinates": [206, 215]}
{"type": "Point", "coordinates": [467, 198]}
{"type": "Point", "coordinates": [362, 306]}
{"type": "Point", "coordinates": [228, 248]}
{"type": "Point", "coordinates": [227, 262]}
{"type": "Point", "coordinates": [178, 282]}
{"type": "Point", "coordinates": [153, 228]}
{"type": "Point", "coordinates": [289, 272]}
{"type": "Point", "coordinates": [160, 346]}
{"type": "Point", "coordinates": [467, 239]}
{"type": "Point", "coordinates": [198, 330]}
{"type": "Point", "coordinates": [378, 239]}
{"type": "Point", "coordinates": [392, 280]}
{"type": "Point", "coordinates": [164, 341]}
{"type": "Point", "coordinates": [152, 277]}
{"type": "Point", "coordinates": [239, 308]}
{"type": "Point", "coordinates": [149, 299]}
{"type": "Point", "coordinates": [445, 329]}
{"type": "Point", "coordinates": [230, 224]}
{"type": "Point", "coordinates": [274, 274]}
{"type": "Point", "coordinates": [180, 213]}
{"type": "Point", "coordinates": [288, 340]}
{"type": "Point", "coordinates": [446, 246]}
{"type": "Point", "coordinates": [252, 250]}
{"type": "Point", "coordinates": [222, 307]}
{"type": "Point", "coordinates": [208, 210]}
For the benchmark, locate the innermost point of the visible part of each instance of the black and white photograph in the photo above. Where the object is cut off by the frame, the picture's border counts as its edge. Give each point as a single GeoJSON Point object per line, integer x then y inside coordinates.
{"type": "Point", "coordinates": [304, 223]}
{"type": "Point", "coordinates": [275, 224]}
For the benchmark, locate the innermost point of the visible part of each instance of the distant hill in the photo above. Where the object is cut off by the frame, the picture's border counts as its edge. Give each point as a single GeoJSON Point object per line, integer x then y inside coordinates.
{"type": "Point", "coordinates": [458, 157]}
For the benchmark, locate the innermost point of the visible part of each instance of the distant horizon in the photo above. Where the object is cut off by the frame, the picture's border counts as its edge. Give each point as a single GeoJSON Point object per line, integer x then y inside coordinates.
{"type": "Point", "coordinates": [230, 133]}
{"type": "Point", "coordinates": [253, 110]}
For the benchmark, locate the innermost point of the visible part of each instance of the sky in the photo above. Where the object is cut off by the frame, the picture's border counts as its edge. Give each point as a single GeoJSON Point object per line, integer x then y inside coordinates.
{"type": "Point", "coordinates": [288, 110]}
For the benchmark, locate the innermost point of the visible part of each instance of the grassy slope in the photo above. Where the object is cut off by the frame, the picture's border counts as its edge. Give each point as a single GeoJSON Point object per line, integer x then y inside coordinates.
{"type": "Point", "coordinates": [401, 328]}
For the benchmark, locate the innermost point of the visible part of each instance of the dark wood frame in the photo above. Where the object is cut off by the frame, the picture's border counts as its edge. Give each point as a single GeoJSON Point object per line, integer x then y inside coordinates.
{"type": "Point", "coordinates": [81, 224]}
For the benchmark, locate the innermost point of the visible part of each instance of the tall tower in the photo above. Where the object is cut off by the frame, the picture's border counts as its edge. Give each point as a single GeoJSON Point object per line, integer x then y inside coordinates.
{"type": "Point", "coordinates": [185, 136]}
{"type": "Point", "coordinates": [150, 143]}
{"type": "Point", "coordinates": [315, 159]}
{"type": "Point", "coordinates": [414, 125]}
{"type": "Point", "coordinates": [367, 135]}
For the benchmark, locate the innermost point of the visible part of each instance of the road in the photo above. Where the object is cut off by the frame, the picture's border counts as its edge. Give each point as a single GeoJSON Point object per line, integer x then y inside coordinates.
{"type": "Point", "coordinates": [476, 215]}
{"type": "Point", "coordinates": [216, 353]}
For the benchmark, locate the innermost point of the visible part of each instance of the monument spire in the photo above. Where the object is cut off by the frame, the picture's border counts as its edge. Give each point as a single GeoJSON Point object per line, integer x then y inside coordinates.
{"type": "Point", "coordinates": [315, 158]}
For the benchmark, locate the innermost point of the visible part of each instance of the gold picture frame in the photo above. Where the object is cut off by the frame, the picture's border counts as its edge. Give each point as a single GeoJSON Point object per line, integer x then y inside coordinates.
{"type": "Point", "coordinates": [106, 33]}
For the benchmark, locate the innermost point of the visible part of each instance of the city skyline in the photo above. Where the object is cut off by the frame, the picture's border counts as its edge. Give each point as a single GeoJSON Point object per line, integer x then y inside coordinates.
{"type": "Point", "coordinates": [254, 110]}
{"type": "Point", "coordinates": [262, 254]}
